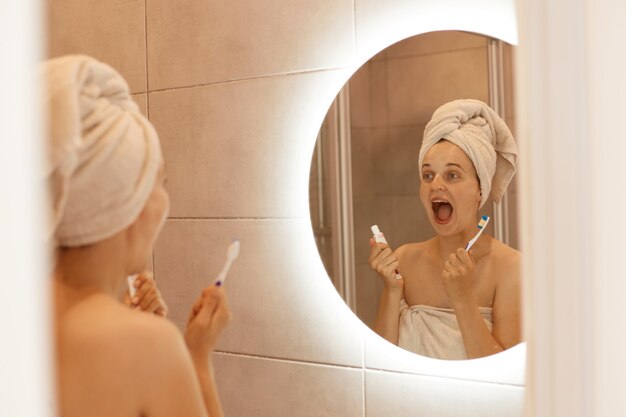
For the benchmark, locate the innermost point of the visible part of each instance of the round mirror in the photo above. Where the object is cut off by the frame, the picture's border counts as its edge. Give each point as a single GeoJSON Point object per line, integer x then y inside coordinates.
{"type": "Point", "coordinates": [365, 172]}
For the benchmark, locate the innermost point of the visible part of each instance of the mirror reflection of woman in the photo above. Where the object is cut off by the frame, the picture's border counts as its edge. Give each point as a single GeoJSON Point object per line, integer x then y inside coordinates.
{"type": "Point", "coordinates": [449, 303]}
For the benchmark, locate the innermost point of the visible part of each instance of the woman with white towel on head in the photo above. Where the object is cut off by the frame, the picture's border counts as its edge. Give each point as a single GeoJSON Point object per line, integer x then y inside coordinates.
{"type": "Point", "coordinates": [106, 179]}
{"type": "Point", "coordinates": [440, 300]}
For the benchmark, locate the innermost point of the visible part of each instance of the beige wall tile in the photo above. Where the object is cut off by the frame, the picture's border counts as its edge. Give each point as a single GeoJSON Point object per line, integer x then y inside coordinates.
{"type": "Point", "coordinates": [401, 156]}
{"type": "Point", "coordinates": [191, 43]}
{"type": "Point", "coordinates": [369, 287]}
{"type": "Point", "coordinates": [360, 100]}
{"type": "Point", "coordinates": [379, 94]}
{"type": "Point", "coordinates": [243, 149]}
{"type": "Point", "coordinates": [382, 166]}
{"type": "Point", "coordinates": [142, 102]}
{"type": "Point", "coordinates": [283, 303]}
{"type": "Point", "coordinates": [436, 42]}
{"type": "Point", "coordinates": [368, 210]}
{"type": "Point", "coordinates": [362, 157]}
{"type": "Point", "coordinates": [409, 220]}
{"type": "Point", "coordinates": [417, 86]}
{"type": "Point", "coordinates": [261, 387]}
{"type": "Point", "coordinates": [112, 31]}
{"type": "Point", "coordinates": [398, 395]}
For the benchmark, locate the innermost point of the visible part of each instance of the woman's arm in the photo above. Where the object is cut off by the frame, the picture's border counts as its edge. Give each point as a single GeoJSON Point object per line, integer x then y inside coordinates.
{"type": "Point", "coordinates": [206, 378]}
{"type": "Point", "coordinates": [388, 316]}
{"type": "Point", "coordinates": [385, 263]}
{"type": "Point", "coordinates": [507, 308]}
{"type": "Point", "coordinates": [477, 339]}
{"type": "Point", "coordinates": [166, 379]}
{"type": "Point", "coordinates": [209, 316]}
{"type": "Point", "coordinates": [458, 275]}
{"type": "Point", "coordinates": [177, 377]}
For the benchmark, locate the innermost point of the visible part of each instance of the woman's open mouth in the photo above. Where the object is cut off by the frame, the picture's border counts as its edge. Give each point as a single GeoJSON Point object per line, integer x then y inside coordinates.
{"type": "Point", "coordinates": [442, 210]}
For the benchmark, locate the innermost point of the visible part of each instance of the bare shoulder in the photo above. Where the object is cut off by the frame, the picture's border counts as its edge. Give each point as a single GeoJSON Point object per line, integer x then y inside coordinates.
{"type": "Point", "coordinates": [507, 299]}
{"type": "Point", "coordinates": [101, 337]}
{"type": "Point", "coordinates": [413, 251]}
{"type": "Point", "coordinates": [149, 338]}
{"type": "Point", "coordinates": [104, 328]}
{"type": "Point", "coordinates": [508, 259]}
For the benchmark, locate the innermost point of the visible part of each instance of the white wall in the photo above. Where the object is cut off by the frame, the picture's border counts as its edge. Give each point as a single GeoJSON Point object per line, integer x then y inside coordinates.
{"type": "Point", "coordinates": [24, 348]}
{"type": "Point", "coordinates": [571, 90]}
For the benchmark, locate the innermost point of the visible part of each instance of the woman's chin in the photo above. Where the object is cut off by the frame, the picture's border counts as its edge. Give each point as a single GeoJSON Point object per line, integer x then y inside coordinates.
{"type": "Point", "coordinates": [445, 228]}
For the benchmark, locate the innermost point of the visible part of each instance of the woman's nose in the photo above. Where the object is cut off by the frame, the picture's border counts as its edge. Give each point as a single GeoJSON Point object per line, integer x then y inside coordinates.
{"type": "Point", "coordinates": [438, 183]}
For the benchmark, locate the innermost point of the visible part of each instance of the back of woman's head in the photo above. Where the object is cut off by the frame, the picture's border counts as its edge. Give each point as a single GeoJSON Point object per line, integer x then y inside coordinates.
{"type": "Point", "coordinates": [103, 155]}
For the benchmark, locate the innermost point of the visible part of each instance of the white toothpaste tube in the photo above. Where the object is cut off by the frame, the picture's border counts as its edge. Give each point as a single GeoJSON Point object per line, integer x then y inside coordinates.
{"type": "Point", "coordinates": [380, 238]}
{"type": "Point", "coordinates": [131, 285]}
{"type": "Point", "coordinates": [378, 235]}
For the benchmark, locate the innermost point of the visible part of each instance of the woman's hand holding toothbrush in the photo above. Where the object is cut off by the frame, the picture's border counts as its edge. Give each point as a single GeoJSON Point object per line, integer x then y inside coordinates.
{"type": "Point", "coordinates": [208, 317]}
{"type": "Point", "coordinates": [384, 261]}
{"type": "Point", "coordinates": [459, 275]}
{"type": "Point", "coordinates": [210, 313]}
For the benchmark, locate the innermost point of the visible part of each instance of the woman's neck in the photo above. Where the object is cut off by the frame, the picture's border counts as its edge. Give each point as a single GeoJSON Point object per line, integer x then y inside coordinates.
{"type": "Point", "coordinates": [94, 269]}
{"type": "Point", "coordinates": [449, 244]}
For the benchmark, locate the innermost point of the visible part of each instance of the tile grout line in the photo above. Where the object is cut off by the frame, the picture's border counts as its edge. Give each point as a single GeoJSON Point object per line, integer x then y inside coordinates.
{"type": "Point", "coordinates": [425, 54]}
{"type": "Point", "coordinates": [286, 360]}
{"type": "Point", "coordinates": [365, 369]}
{"type": "Point", "coordinates": [236, 218]}
{"type": "Point", "coordinates": [478, 381]}
{"type": "Point", "coordinates": [256, 77]}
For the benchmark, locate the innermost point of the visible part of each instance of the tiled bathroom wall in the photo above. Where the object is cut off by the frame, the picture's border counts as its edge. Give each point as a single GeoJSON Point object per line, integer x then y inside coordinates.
{"type": "Point", "coordinates": [237, 91]}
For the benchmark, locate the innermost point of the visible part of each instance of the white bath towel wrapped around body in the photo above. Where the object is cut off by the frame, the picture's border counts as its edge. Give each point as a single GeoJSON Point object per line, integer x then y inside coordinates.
{"type": "Point", "coordinates": [102, 153]}
{"type": "Point", "coordinates": [434, 332]}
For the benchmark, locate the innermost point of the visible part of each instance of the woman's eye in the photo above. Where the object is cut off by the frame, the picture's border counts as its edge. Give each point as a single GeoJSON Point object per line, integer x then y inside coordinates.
{"type": "Point", "coordinates": [427, 176]}
{"type": "Point", "coordinates": [453, 176]}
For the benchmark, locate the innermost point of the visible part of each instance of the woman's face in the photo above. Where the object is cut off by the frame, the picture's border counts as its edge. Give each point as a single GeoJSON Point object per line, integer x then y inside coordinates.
{"type": "Point", "coordinates": [449, 190]}
{"type": "Point", "coordinates": [143, 232]}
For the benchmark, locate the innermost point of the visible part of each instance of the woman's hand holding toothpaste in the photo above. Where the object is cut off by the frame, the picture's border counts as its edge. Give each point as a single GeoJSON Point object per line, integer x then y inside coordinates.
{"type": "Point", "coordinates": [385, 263]}
{"type": "Point", "coordinates": [147, 296]}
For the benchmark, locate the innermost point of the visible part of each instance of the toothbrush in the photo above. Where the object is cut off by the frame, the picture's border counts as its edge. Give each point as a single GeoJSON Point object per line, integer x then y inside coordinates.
{"type": "Point", "coordinates": [481, 227]}
{"type": "Point", "coordinates": [231, 255]}
{"type": "Point", "coordinates": [380, 238]}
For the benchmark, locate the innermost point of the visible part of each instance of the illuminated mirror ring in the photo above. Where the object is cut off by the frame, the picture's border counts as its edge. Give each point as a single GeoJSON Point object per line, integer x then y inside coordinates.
{"type": "Point", "coordinates": [332, 200]}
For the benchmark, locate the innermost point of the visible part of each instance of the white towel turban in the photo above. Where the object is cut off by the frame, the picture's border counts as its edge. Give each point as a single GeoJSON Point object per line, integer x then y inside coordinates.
{"type": "Point", "coordinates": [478, 130]}
{"type": "Point", "coordinates": [103, 155]}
